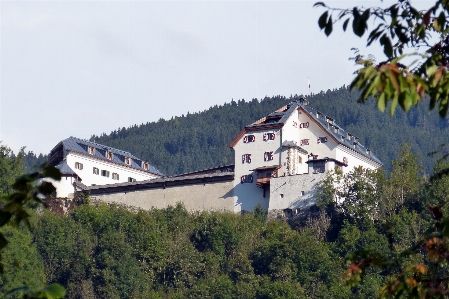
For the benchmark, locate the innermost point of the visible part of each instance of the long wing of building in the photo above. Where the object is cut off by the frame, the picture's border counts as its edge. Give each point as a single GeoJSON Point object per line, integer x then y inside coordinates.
{"type": "Point", "coordinates": [95, 164]}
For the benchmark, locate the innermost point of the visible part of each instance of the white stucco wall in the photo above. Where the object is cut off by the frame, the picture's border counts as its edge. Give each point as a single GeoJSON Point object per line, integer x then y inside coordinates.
{"type": "Point", "coordinates": [312, 133]}
{"type": "Point", "coordinates": [248, 195]}
{"type": "Point", "coordinates": [354, 159]}
{"type": "Point", "coordinates": [89, 178]}
{"type": "Point", "coordinates": [216, 196]}
{"type": "Point", "coordinates": [292, 192]}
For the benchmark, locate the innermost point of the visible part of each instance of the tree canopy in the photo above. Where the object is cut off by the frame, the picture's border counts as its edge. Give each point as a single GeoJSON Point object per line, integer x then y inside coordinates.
{"type": "Point", "coordinates": [403, 31]}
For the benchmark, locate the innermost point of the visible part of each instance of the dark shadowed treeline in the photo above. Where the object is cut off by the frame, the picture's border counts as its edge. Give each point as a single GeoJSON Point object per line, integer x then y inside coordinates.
{"type": "Point", "coordinates": [201, 140]}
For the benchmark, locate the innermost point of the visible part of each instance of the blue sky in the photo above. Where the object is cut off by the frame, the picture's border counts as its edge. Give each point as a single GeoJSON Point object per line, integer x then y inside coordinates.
{"type": "Point", "coordinates": [77, 68]}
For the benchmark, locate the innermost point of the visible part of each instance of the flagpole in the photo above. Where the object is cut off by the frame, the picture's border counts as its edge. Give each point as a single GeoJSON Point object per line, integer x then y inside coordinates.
{"type": "Point", "coordinates": [308, 83]}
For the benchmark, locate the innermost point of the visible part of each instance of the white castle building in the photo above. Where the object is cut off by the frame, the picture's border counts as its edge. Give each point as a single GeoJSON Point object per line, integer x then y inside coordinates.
{"type": "Point", "coordinates": [281, 157]}
{"type": "Point", "coordinates": [279, 160]}
{"type": "Point", "coordinates": [93, 164]}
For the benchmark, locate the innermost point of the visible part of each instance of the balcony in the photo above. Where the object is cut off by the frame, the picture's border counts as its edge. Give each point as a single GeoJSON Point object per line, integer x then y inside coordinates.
{"type": "Point", "coordinates": [262, 181]}
{"type": "Point", "coordinates": [265, 173]}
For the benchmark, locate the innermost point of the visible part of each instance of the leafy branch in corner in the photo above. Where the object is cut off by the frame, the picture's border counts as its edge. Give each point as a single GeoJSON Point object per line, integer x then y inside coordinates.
{"type": "Point", "coordinates": [402, 31]}
{"type": "Point", "coordinates": [29, 191]}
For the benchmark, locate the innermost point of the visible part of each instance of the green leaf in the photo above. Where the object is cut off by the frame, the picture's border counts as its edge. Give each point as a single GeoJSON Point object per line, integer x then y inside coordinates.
{"type": "Point", "coordinates": [52, 172]}
{"type": "Point", "coordinates": [405, 100]}
{"type": "Point", "coordinates": [394, 103]}
{"type": "Point", "coordinates": [328, 29]}
{"type": "Point", "coordinates": [359, 23]}
{"type": "Point", "coordinates": [21, 183]}
{"type": "Point", "coordinates": [318, 4]}
{"type": "Point", "coordinates": [441, 20]}
{"type": "Point", "coordinates": [345, 24]}
{"type": "Point", "coordinates": [443, 108]}
{"type": "Point", "coordinates": [381, 102]}
{"type": "Point", "coordinates": [46, 188]}
{"type": "Point", "coordinates": [54, 290]}
{"type": "Point", "coordinates": [365, 15]}
{"type": "Point", "coordinates": [322, 21]}
{"type": "Point", "coordinates": [388, 48]}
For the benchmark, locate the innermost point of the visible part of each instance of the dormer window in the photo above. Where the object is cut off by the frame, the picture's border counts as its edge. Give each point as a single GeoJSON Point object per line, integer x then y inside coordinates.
{"type": "Point", "coordinates": [109, 155]}
{"type": "Point", "coordinates": [127, 160]}
{"type": "Point", "coordinates": [91, 150]}
{"type": "Point", "coordinates": [145, 165]}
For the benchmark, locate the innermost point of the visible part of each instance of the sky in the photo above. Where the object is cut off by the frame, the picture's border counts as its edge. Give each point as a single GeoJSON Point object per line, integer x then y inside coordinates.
{"type": "Point", "coordinates": [78, 68]}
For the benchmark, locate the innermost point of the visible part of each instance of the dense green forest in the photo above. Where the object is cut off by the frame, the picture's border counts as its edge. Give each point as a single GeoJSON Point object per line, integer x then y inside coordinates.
{"type": "Point", "coordinates": [103, 251]}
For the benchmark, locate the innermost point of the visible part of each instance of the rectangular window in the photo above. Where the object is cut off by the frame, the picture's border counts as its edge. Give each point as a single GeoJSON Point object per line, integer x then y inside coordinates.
{"type": "Point", "coordinates": [109, 155]}
{"type": "Point", "coordinates": [96, 171]}
{"type": "Point", "coordinates": [249, 138]}
{"type": "Point", "coordinates": [304, 142]}
{"type": "Point", "coordinates": [318, 167]}
{"type": "Point", "coordinates": [105, 173]}
{"type": "Point", "coordinates": [145, 165]}
{"type": "Point", "coordinates": [130, 179]}
{"type": "Point", "coordinates": [268, 136]}
{"type": "Point", "coordinates": [91, 150]}
{"type": "Point", "coordinates": [245, 179]}
{"type": "Point", "coordinates": [322, 139]}
{"type": "Point", "coordinates": [79, 165]}
{"type": "Point", "coordinates": [127, 160]}
{"type": "Point", "coordinates": [268, 156]}
{"type": "Point", "coordinates": [115, 176]}
{"type": "Point", "coordinates": [246, 158]}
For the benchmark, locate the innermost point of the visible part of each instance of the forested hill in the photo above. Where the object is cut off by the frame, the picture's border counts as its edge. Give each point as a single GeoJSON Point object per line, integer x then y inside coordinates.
{"type": "Point", "coordinates": [201, 140]}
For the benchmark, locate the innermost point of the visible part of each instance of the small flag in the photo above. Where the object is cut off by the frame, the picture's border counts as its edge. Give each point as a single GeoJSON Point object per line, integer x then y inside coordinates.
{"type": "Point", "coordinates": [308, 84]}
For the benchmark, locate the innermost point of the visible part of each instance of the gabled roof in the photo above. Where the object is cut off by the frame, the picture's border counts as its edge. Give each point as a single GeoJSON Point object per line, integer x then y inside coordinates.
{"type": "Point", "coordinates": [278, 118]}
{"type": "Point", "coordinates": [81, 146]}
{"type": "Point", "coordinates": [337, 133]}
